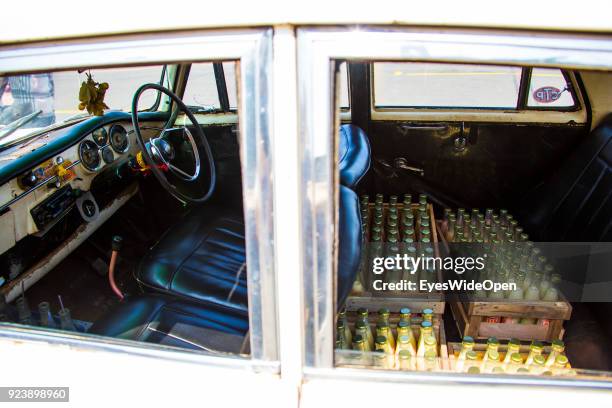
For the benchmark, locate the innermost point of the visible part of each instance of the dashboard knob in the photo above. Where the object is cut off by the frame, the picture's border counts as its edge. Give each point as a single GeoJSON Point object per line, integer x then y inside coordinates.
{"type": "Point", "coordinates": [28, 180]}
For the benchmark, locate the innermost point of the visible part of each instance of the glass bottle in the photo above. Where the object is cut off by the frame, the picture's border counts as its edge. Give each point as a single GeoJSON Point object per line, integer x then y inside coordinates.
{"type": "Point", "coordinates": [431, 361]}
{"type": "Point", "coordinates": [405, 360]}
{"type": "Point", "coordinates": [535, 349]}
{"type": "Point", "coordinates": [490, 361]}
{"type": "Point", "coordinates": [431, 345]}
{"type": "Point", "coordinates": [380, 359]}
{"type": "Point", "coordinates": [66, 322]}
{"type": "Point", "coordinates": [392, 200]}
{"type": "Point", "coordinates": [516, 362]}
{"type": "Point", "coordinates": [380, 198]}
{"type": "Point", "coordinates": [426, 331]}
{"type": "Point", "coordinates": [383, 329]}
{"type": "Point", "coordinates": [538, 364]}
{"type": "Point", "coordinates": [382, 343]}
{"type": "Point", "coordinates": [405, 315]}
{"type": "Point", "coordinates": [403, 343]}
{"type": "Point", "coordinates": [347, 330]}
{"type": "Point", "coordinates": [46, 317]}
{"type": "Point", "coordinates": [23, 311]}
{"type": "Point", "coordinates": [407, 199]}
{"type": "Point", "coordinates": [342, 341]}
{"type": "Point", "coordinates": [560, 364]}
{"type": "Point", "coordinates": [428, 315]}
{"type": "Point", "coordinates": [471, 363]}
{"type": "Point", "coordinates": [557, 348]}
{"type": "Point", "coordinates": [366, 332]}
{"type": "Point", "coordinates": [492, 345]}
{"type": "Point", "coordinates": [514, 346]}
{"type": "Point", "coordinates": [404, 329]}
{"type": "Point", "coordinates": [383, 315]}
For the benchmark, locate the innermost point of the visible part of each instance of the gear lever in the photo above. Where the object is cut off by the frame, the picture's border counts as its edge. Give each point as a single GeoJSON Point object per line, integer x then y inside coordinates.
{"type": "Point", "coordinates": [116, 247]}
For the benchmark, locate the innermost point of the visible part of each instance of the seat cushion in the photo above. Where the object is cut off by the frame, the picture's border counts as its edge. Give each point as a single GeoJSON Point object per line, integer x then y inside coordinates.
{"type": "Point", "coordinates": [353, 155]}
{"type": "Point", "coordinates": [202, 258]}
{"type": "Point", "coordinates": [575, 204]}
{"type": "Point", "coordinates": [163, 320]}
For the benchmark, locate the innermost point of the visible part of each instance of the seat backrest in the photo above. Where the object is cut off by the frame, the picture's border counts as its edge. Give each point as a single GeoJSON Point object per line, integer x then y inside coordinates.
{"type": "Point", "coordinates": [354, 162]}
{"type": "Point", "coordinates": [353, 155]}
{"type": "Point", "coordinates": [575, 204]}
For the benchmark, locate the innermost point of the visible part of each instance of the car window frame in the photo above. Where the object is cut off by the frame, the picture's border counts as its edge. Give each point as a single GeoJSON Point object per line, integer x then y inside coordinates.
{"type": "Point", "coordinates": [319, 194]}
{"type": "Point", "coordinates": [252, 47]}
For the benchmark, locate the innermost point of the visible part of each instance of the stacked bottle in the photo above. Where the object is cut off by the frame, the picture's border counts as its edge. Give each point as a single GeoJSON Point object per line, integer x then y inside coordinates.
{"type": "Point", "coordinates": [395, 227]}
{"type": "Point", "coordinates": [510, 257]}
{"type": "Point", "coordinates": [514, 362]}
{"type": "Point", "coordinates": [391, 346]}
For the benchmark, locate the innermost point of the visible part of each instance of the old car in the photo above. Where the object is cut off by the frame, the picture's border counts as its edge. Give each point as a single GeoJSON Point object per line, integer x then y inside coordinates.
{"type": "Point", "coordinates": [216, 210]}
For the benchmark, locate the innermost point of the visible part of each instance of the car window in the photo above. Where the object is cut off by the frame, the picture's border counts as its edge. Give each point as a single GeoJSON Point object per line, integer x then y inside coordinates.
{"type": "Point", "coordinates": [429, 85]}
{"type": "Point", "coordinates": [56, 94]}
{"type": "Point", "coordinates": [201, 90]}
{"type": "Point", "coordinates": [549, 88]}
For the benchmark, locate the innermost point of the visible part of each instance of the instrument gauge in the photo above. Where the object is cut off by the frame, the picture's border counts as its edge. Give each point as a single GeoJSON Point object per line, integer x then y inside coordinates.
{"type": "Point", "coordinates": [89, 155]}
{"type": "Point", "coordinates": [107, 155]}
{"type": "Point", "coordinates": [100, 136]}
{"type": "Point", "coordinates": [119, 139]}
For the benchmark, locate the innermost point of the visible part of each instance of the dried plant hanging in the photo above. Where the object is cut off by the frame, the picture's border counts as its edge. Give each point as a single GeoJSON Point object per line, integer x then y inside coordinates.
{"type": "Point", "coordinates": [91, 96]}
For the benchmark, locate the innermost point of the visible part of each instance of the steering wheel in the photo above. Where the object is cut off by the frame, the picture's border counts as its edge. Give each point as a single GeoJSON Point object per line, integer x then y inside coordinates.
{"type": "Point", "coordinates": [160, 152]}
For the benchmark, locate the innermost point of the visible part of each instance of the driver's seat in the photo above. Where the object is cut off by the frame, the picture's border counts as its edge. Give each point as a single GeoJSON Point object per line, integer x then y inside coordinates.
{"type": "Point", "coordinates": [202, 258]}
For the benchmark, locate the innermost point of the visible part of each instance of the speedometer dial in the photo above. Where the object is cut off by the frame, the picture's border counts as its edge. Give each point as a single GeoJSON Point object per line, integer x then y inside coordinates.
{"type": "Point", "coordinates": [100, 136]}
{"type": "Point", "coordinates": [89, 155]}
{"type": "Point", "coordinates": [119, 139]}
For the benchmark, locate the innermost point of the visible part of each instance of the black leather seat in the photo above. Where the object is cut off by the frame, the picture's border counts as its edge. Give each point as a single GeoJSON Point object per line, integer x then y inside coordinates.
{"type": "Point", "coordinates": [198, 270]}
{"type": "Point", "coordinates": [164, 320]}
{"type": "Point", "coordinates": [202, 259]}
{"type": "Point", "coordinates": [575, 204]}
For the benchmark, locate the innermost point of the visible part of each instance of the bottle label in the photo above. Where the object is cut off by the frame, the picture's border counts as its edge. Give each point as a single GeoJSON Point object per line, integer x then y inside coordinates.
{"type": "Point", "coordinates": [544, 322]}
{"type": "Point", "coordinates": [493, 319]}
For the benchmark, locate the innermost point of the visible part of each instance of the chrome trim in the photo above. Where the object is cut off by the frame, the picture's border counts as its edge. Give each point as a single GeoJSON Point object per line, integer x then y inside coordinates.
{"type": "Point", "coordinates": [319, 124]}
{"type": "Point", "coordinates": [16, 332]}
{"type": "Point", "coordinates": [36, 187]}
{"type": "Point", "coordinates": [253, 49]}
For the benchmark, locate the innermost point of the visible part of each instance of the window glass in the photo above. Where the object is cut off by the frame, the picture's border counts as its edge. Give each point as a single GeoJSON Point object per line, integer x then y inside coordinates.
{"type": "Point", "coordinates": [201, 90]}
{"type": "Point", "coordinates": [56, 94]}
{"type": "Point", "coordinates": [229, 69]}
{"type": "Point", "coordinates": [549, 88]}
{"type": "Point", "coordinates": [344, 89]}
{"type": "Point", "coordinates": [426, 85]}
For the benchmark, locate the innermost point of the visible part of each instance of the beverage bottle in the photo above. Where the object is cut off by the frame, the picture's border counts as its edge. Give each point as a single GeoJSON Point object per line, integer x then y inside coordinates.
{"type": "Point", "coordinates": [492, 345]}
{"type": "Point", "coordinates": [66, 322]}
{"type": "Point", "coordinates": [46, 318]}
{"type": "Point", "coordinates": [383, 329]}
{"type": "Point", "coordinates": [404, 329]}
{"type": "Point", "coordinates": [538, 364]}
{"type": "Point", "coordinates": [382, 343]}
{"type": "Point", "coordinates": [407, 199]}
{"type": "Point", "coordinates": [467, 345]}
{"type": "Point", "coordinates": [535, 349]}
{"type": "Point", "coordinates": [514, 346]}
{"type": "Point", "coordinates": [422, 199]}
{"type": "Point", "coordinates": [431, 361]}
{"type": "Point", "coordinates": [490, 361]}
{"type": "Point", "coordinates": [405, 315]}
{"type": "Point", "coordinates": [360, 344]}
{"type": "Point", "coordinates": [405, 360]}
{"type": "Point", "coordinates": [516, 362]}
{"type": "Point", "coordinates": [426, 331]}
{"type": "Point", "coordinates": [362, 317]}
{"type": "Point", "coordinates": [341, 340]}
{"type": "Point", "coordinates": [471, 365]}
{"type": "Point", "coordinates": [404, 343]}
{"type": "Point", "coordinates": [380, 359]}
{"type": "Point", "coordinates": [23, 311]}
{"type": "Point", "coordinates": [556, 349]}
{"type": "Point", "coordinates": [560, 365]}
{"type": "Point", "coordinates": [379, 198]}
{"type": "Point", "coordinates": [392, 200]}
{"type": "Point", "coordinates": [428, 315]}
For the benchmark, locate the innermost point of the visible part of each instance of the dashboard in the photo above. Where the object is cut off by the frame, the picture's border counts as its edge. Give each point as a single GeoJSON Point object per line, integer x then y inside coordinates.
{"type": "Point", "coordinates": [36, 197]}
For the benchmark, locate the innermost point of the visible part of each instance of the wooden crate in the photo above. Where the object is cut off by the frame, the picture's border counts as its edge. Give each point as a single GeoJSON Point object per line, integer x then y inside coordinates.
{"type": "Point", "coordinates": [471, 316]}
{"type": "Point", "coordinates": [415, 300]}
{"type": "Point", "coordinates": [454, 348]}
{"type": "Point", "coordinates": [439, 332]}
